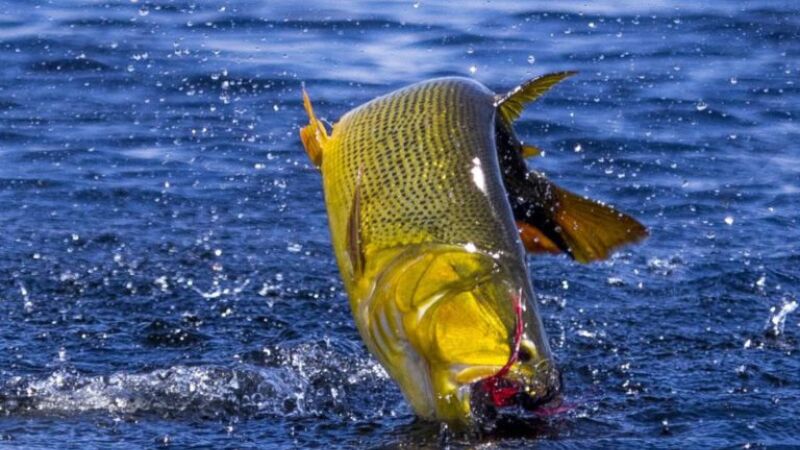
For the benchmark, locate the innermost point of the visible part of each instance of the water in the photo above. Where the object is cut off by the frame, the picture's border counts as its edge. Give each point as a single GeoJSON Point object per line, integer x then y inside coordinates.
{"type": "Point", "coordinates": [167, 278]}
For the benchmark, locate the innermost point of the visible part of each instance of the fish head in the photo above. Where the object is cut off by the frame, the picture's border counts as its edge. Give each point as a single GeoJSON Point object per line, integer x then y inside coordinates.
{"type": "Point", "coordinates": [501, 361]}
{"type": "Point", "coordinates": [529, 379]}
{"type": "Point", "coordinates": [473, 342]}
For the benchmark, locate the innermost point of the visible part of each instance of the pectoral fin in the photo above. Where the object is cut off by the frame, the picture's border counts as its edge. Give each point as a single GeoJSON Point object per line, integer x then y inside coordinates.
{"type": "Point", "coordinates": [553, 219]}
{"type": "Point", "coordinates": [355, 249]}
{"type": "Point", "coordinates": [314, 135]}
{"type": "Point", "coordinates": [510, 105]}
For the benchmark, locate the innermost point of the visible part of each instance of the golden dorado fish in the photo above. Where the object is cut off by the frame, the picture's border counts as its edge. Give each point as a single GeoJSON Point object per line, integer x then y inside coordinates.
{"type": "Point", "coordinates": [431, 208]}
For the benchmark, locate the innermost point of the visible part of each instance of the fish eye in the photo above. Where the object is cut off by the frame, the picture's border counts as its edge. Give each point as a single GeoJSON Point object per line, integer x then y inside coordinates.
{"type": "Point", "coordinates": [524, 355]}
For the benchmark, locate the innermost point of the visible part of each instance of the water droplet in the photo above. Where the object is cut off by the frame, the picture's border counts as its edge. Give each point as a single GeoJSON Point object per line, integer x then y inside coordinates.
{"type": "Point", "coordinates": [777, 319]}
{"type": "Point", "coordinates": [473, 69]}
{"type": "Point", "coordinates": [531, 59]}
{"type": "Point", "coordinates": [701, 106]}
{"type": "Point", "coordinates": [578, 148]}
{"type": "Point", "coordinates": [586, 334]}
{"type": "Point", "coordinates": [729, 220]}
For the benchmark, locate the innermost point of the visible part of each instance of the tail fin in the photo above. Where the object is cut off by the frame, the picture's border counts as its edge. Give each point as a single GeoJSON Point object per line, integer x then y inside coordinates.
{"type": "Point", "coordinates": [510, 106]}
{"type": "Point", "coordinates": [551, 219]}
{"type": "Point", "coordinates": [314, 135]}
{"type": "Point", "coordinates": [593, 230]}
{"type": "Point", "coordinates": [535, 241]}
{"type": "Point", "coordinates": [554, 219]}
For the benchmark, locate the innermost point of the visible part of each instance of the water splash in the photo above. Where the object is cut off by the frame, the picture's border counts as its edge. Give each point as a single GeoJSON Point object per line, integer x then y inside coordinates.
{"type": "Point", "coordinates": [777, 319]}
{"type": "Point", "coordinates": [298, 382]}
{"type": "Point", "coordinates": [175, 391]}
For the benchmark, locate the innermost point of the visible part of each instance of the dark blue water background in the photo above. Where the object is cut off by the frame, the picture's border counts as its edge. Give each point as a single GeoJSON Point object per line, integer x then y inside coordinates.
{"type": "Point", "coordinates": [166, 273]}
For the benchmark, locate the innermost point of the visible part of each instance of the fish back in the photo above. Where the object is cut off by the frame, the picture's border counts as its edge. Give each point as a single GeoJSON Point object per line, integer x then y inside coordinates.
{"type": "Point", "coordinates": [424, 162]}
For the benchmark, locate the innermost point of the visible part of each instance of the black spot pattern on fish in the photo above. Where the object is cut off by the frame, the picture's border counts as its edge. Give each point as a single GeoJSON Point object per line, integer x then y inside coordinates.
{"type": "Point", "coordinates": [419, 148]}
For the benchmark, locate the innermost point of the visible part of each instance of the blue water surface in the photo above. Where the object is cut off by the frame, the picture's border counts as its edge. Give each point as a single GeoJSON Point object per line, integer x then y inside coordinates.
{"type": "Point", "coordinates": [166, 273]}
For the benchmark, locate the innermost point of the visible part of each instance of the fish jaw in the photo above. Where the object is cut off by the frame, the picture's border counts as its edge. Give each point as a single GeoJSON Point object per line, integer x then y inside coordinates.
{"type": "Point", "coordinates": [472, 397]}
{"type": "Point", "coordinates": [443, 319]}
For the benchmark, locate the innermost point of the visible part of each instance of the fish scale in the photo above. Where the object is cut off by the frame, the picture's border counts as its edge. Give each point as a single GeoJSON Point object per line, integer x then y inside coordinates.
{"type": "Point", "coordinates": [416, 183]}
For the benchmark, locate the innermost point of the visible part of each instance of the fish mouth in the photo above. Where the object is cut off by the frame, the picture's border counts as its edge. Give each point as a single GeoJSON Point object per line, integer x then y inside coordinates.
{"type": "Point", "coordinates": [520, 382]}
{"type": "Point", "coordinates": [537, 395]}
{"type": "Point", "coordinates": [548, 399]}
{"type": "Point", "coordinates": [531, 386]}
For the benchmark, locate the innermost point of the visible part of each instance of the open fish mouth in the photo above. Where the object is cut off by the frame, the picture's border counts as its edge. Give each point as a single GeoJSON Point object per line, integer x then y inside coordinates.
{"type": "Point", "coordinates": [538, 400]}
{"type": "Point", "coordinates": [503, 388]}
{"type": "Point", "coordinates": [539, 395]}
{"type": "Point", "coordinates": [493, 390]}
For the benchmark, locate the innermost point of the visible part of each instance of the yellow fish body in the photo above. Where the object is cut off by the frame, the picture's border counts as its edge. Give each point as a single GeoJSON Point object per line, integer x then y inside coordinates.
{"type": "Point", "coordinates": [430, 251]}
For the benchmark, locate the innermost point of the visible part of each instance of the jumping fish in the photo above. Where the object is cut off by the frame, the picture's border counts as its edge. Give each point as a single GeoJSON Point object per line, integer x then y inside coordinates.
{"type": "Point", "coordinates": [431, 208]}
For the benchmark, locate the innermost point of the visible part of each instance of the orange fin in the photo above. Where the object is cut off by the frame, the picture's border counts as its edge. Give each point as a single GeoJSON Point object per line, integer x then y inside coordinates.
{"type": "Point", "coordinates": [510, 105]}
{"type": "Point", "coordinates": [314, 135]}
{"type": "Point", "coordinates": [591, 229]}
{"type": "Point", "coordinates": [529, 151]}
{"type": "Point", "coordinates": [354, 237]}
{"type": "Point", "coordinates": [552, 220]}
{"type": "Point", "coordinates": [534, 240]}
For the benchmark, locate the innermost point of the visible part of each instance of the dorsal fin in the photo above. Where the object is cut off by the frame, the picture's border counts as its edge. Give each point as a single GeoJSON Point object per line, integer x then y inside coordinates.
{"type": "Point", "coordinates": [510, 105]}
{"type": "Point", "coordinates": [314, 135]}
